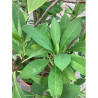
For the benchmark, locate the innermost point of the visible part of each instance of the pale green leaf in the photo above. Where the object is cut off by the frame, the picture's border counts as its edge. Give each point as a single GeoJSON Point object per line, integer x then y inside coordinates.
{"type": "Point", "coordinates": [78, 63]}
{"type": "Point", "coordinates": [62, 60]}
{"type": "Point", "coordinates": [64, 23]}
{"type": "Point", "coordinates": [70, 73]}
{"type": "Point", "coordinates": [65, 78]}
{"type": "Point", "coordinates": [71, 32]}
{"type": "Point", "coordinates": [40, 37]}
{"type": "Point", "coordinates": [33, 68]}
{"type": "Point", "coordinates": [55, 34]}
{"type": "Point", "coordinates": [70, 91]}
{"type": "Point", "coordinates": [34, 4]}
{"type": "Point", "coordinates": [55, 83]}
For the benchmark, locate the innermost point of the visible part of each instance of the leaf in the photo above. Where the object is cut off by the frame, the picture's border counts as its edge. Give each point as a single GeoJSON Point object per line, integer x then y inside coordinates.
{"type": "Point", "coordinates": [16, 36]}
{"type": "Point", "coordinates": [37, 89]}
{"type": "Point", "coordinates": [34, 52]}
{"type": "Point", "coordinates": [70, 91]}
{"type": "Point", "coordinates": [62, 61]}
{"type": "Point", "coordinates": [78, 47]}
{"type": "Point", "coordinates": [79, 81]}
{"type": "Point", "coordinates": [18, 92]}
{"type": "Point", "coordinates": [78, 9]}
{"type": "Point", "coordinates": [55, 34]}
{"type": "Point", "coordinates": [70, 73]}
{"type": "Point", "coordinates": [55, 83]}
{"type": "Point", "coordinates": [65, 78]}
{"type": "Point", "coordinates": [18, 19]}
{"type": "Point", "coordinates": [34, 4]}
{"type": "Point", "coordinates": [78, 63]}
{"type": "Point", "coordinates": [33, 68]}
{"type": "Point", "coordinates": [44, 28]}
{"type": "Point", "coordinates": [64, 22]}
{"type": "Point", "coordinates": [37, 79]}
{"type": "Point", "coordinates": [55, 9]}
{"type": "Point", "coordinates": [71, 32]}
{"type": "Point", "coordinates": [38, 36]}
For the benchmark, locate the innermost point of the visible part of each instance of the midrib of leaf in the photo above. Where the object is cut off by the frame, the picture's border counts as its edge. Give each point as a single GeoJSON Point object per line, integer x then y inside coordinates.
{"type": "Point", "coordinates": [70, 33]}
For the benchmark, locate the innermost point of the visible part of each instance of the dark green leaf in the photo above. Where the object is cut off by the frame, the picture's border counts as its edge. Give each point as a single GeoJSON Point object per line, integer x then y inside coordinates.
{"type": "Point", "coordinates": [55, 9]}
{"type": "Point", "coordinates": [79, 81]}
{"type": "Point", "coordinates": [70, 91]}
{"type": "Point", "coordinates": [55, 83]}
{"type": "Point", "coordinates": [78, 47]}
{"type": "Point", "coordinates": [62, 61]}
{"type": "Point", "coordinates": [79, 8]}
{"type": "Point", "coordinates": [37, 89]}
{"type": "Point", "coordinates": [33, 68]}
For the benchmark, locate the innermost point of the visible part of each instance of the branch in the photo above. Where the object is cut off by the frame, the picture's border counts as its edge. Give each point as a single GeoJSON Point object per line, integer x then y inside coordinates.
{"type": "Point", "coordinates": [54, 3]}
{"type": "Point", "coordinates": [16, 67]}
{"type": "Point", "coordinates": [74, 1]}
{"type": "Point", "coordinates": [72, 43]}
{"type": "Point", "coordinates": [34, 16]}
{"type": "Point", "coordinates": [67, 1]}
{"type": "Point", "coordinates": [39, 14]}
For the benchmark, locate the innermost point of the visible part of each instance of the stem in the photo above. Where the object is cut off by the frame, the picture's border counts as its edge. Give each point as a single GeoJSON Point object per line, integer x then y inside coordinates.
{"type": "Point", "coordinates": [54, 3]}
{"type": "Point", "coordinates": [34, 16]}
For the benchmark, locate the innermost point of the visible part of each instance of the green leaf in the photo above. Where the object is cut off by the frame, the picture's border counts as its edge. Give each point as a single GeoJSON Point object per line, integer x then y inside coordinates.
{"type": "Point", "coordinates": [16, 36]}
{"type": "Point", "coordinates": [37, 79]}
{"type": "Point", "coordinates": [78, 47]}
{"type": "Point", "coordinates": [78, 63]}
{"type": "Point", "coordinates": [44, 28]}
{"type": "Point", "coordinates": [65, 78]}
{"type": "Point", "coordinates": [34, 52]}
{"type": "Point", "coordinates": [55, 83]}
{"type": "Point", "coordinates": [70, 73]}
{"type": "Point", "coordinates": [79, 8]}
{"type": "Point", "coordinates": [71, 32]}
{"type": "Point", "coordinates": [62, 61]}
{"type": "Point", "coordinates": [33, 68]}
{"type": "Point", "coordinates": [18, 92]}
{"type": "Point", "coordinates": [40, 37]}
{"type": "Point", "coordinates": [70, 91]}
{"type": "Point", "coordinates": [55, 9]}
{"type": "Point", "coordinates": [37, 89]}
{"type": "Point", "coordinates": [79, 81]}
{"type": "Point", "coordinates": [55, 34]}
{"type": "Point", "coordinates": [64, 23]}
{"type": "Point", "coordinates": [34, 4]}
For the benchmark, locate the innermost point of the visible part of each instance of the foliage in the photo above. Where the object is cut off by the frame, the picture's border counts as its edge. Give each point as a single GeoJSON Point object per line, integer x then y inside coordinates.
{"type": "Point", "coordinates": [44, 59]}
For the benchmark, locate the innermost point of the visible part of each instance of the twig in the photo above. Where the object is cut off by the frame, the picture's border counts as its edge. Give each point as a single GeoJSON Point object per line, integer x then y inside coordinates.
{"type": "Point", "coordinates": [54, 3]}
{"type": "Point", "coordinates": [67, 1]}
{"type": "Point", "coordinates": [34, 16]}
{"type": "Point", "coordinates": [39, 13]}
{"type": "Point", "coordinates": [74, 1]}
{"type": "Point", "coordinates": [72, 43]}
{"type": "Point", "coordinates": [16, 67]}
{"type": "Point", "coordinates": [49, 1]}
